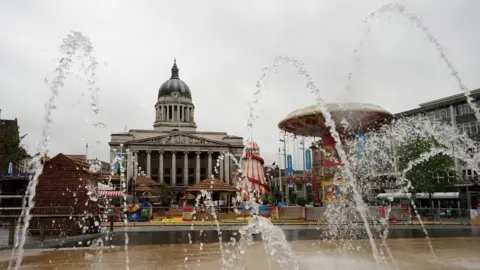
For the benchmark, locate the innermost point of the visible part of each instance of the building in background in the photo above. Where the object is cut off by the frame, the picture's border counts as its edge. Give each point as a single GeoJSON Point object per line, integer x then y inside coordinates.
{"type": "Point", "coordinates": [455, 111]}
{"type": "Point", "coordinates": [9, 132]}
{"type": "Point", "coordinates": [174, 152]}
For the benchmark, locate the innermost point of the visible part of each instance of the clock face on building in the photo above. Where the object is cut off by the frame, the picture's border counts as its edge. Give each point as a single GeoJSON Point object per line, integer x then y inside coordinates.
{"type": "Point", "coordinates": [175, 94]}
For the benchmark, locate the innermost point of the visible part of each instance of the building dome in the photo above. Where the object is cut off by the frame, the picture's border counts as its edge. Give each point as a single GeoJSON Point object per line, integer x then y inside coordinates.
{"type": "Point", "coordinates": [174, 85]}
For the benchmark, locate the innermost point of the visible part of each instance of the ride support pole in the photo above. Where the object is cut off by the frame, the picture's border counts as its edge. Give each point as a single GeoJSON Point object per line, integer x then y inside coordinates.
{"type": "Point", "coordinates": [42, 229]}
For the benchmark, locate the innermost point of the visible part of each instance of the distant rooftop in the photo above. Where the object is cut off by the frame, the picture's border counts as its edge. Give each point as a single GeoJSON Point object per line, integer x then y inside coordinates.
{"type": "Point", "coordinates": [441, 102]}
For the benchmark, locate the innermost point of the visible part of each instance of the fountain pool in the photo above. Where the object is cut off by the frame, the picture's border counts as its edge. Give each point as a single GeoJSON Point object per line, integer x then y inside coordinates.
{"type": "Point", "coordinates": [453, 253]}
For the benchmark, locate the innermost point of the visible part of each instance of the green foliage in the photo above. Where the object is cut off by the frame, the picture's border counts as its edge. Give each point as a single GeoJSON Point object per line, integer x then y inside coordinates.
{"type": "Point", "coordinates": [275, 195]}
{"type": "Point", "coordinates": [292, 195]}
{"type": "Point", "coordinates": [310, 194]}
{"type": "Point", "coordinates": [422, 175]}
{"type": "Point", "coordinates": [164, 194]}
{"type": "Point", "coordinates": [12, 149]}
{"type": "Point", "coordinates": [265, 200]}
{"type": "Point", "coordinates": [301, 201]}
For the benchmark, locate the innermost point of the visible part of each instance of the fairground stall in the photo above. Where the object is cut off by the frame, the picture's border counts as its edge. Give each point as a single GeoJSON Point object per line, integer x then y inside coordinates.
{"type": "Point", "coordinates": [351, 120]}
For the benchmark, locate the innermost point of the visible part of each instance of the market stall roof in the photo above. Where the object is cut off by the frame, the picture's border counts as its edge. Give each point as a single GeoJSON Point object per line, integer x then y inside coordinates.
{"type": "Point", "coordinates": [210, 184]}
{"type": "Point", "coordinates": [142, 188]}
{"type": "Point", "coordinates": [188, 196]}
{"type": "Point", "coordinates": [348, 116]}
{"type": "Point", "coordinates": [144, 180]}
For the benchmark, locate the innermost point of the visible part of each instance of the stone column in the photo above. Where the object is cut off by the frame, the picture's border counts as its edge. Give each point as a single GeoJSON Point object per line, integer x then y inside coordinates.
{"type": "Point", "coordinates": [185, 168]}
{"type": "Point", "coordinates": [173, 172]}
{"type": "Point", "coordinates": [197, 168]}
{"type": "Point", "coordinates": [227, 169]}
{"type": "Point", "coordinates": [167, 113]}
{"type": "Point", "coordinates": [187, 111]}
{"type": "Point", "coordinates": [209, 169]}
{"type": "Point", "coordinates": [221, 176]}
{"type": "Point", "coordinates": [149, 164]}
{"type": "Point", "coordinates": [135, 163]}
{"type": "Point", "coordinates": [160, 167]}
{"type": "Point", "coordinates": [178, 113]}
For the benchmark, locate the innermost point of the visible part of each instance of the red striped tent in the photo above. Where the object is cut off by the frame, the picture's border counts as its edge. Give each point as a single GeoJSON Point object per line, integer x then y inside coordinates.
{"type": "Point", "coordinates": [110, 193]}
{"type": "Point", "coordinates": [252, 165]}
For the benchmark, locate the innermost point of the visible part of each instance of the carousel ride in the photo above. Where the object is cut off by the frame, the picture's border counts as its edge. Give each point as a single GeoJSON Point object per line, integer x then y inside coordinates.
{"type": "Point", "coordinates": [351, 120]}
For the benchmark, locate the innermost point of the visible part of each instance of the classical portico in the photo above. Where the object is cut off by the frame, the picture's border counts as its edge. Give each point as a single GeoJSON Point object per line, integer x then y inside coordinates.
{"type": "Point", "coordinates": [174, 152]}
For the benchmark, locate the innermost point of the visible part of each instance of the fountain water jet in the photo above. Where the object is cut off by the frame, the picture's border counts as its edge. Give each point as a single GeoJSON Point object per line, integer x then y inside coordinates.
{"type": "Point", "coordinates": [401, 9]}
{"type": "Point", "coordinates": [71, 45]}
{"type": "Point", "coordinates": [332, 129]}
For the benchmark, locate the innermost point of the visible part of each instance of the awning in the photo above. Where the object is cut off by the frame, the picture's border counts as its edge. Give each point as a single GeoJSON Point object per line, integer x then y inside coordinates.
{"type": "Point", "coordinates": [110, 193]}
{"type": "Point", "coordinates": [437, 195]}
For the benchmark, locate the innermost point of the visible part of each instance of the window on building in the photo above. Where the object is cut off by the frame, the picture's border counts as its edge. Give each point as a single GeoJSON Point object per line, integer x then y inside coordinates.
{"type": "Point", "coordinates": [438, 114]}
{"type": "Point", "coordinates": [469, 175]}
{"type": "Point", "coordinates": [469, 128]}
{"type": "Point", "coordinates": [463, 109]}
{"type": "Point", "coordinates": [166, 180]}
{"type": "Point", "coordinates": [441, 114]}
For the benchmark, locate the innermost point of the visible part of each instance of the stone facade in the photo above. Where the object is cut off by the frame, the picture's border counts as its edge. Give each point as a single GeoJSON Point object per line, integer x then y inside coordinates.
{"type": "Point", "coordinates": [174, 152]}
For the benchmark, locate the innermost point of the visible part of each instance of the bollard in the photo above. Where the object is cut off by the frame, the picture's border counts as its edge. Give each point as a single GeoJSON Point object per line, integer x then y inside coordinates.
{"type": "Point", "coordinates": [42, 230]}
{"type": "Point", "coordinates": [11, 232]}
{"type": "Point", "coordinates": [111, 224]}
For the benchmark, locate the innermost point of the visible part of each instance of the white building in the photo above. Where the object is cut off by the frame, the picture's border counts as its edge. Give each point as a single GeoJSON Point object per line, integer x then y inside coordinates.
{"type": "Point", "coordinates": [174, 152]}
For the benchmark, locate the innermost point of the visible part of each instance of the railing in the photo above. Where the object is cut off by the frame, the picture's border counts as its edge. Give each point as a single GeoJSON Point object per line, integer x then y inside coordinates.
{"type": "Point", "coordinates": [225, 214]}
{"type": "Point", "coordinates": [54, 211]}
{"type": "Point", "coordinates": [396, 215]}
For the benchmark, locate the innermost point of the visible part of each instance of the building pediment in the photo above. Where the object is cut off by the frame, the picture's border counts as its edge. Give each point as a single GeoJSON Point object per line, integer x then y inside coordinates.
{"type": "Point", "coordinates": [178, 139]}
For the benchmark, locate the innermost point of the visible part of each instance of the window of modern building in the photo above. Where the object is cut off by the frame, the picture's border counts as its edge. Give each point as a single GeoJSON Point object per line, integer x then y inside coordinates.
{"type": "Point", "coordinates": [438, 114]}
{"type": "Point", "coordinates": [463, 109]}
{"type": "Point", "coordinates": [468, 128]}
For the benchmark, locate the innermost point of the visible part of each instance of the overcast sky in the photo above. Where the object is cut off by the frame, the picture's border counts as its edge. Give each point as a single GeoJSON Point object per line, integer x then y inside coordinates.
{"type": "Point", "coordinates": [221, 48]}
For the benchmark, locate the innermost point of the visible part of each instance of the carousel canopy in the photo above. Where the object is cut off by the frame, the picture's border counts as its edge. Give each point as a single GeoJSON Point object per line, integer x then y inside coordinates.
{"type": "Point", "coordinates": [212, 185]}
{"type": "Point", "coordinates": [348, 117]}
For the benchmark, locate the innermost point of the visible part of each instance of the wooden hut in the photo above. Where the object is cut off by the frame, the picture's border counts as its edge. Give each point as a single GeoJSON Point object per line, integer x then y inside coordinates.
{"type": "Point", "coordinates": [144, 180]}
{"type": "Point", "coordinates": [217, 187]}
{"type": "Point", "coordinates": [62, 205]}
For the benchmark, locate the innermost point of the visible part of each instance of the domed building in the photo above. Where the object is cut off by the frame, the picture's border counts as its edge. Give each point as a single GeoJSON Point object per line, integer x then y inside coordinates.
{"type": "Point", "coordinates": [174, 152]}
{"type": "Point", "coordinates": [174, 107]}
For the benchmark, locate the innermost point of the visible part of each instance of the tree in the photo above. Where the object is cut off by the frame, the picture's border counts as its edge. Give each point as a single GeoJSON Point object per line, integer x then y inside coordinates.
{"type": "Point", "coordinates": [164, 194]}
{"type": "Point", "coordinates": [275, 195]}
{"type": "Point", "coordinates": [310, 194]}
{"type": "Point", "coordinates": [11, 148]}
{"type": "Point", "coordinates": [431, 175]}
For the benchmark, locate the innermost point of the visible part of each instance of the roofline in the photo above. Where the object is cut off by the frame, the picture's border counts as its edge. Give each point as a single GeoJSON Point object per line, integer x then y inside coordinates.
{"type": "Point", "coordinates": [438, 103]}
{"type": "Point", "coordinates": [453, 98]}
